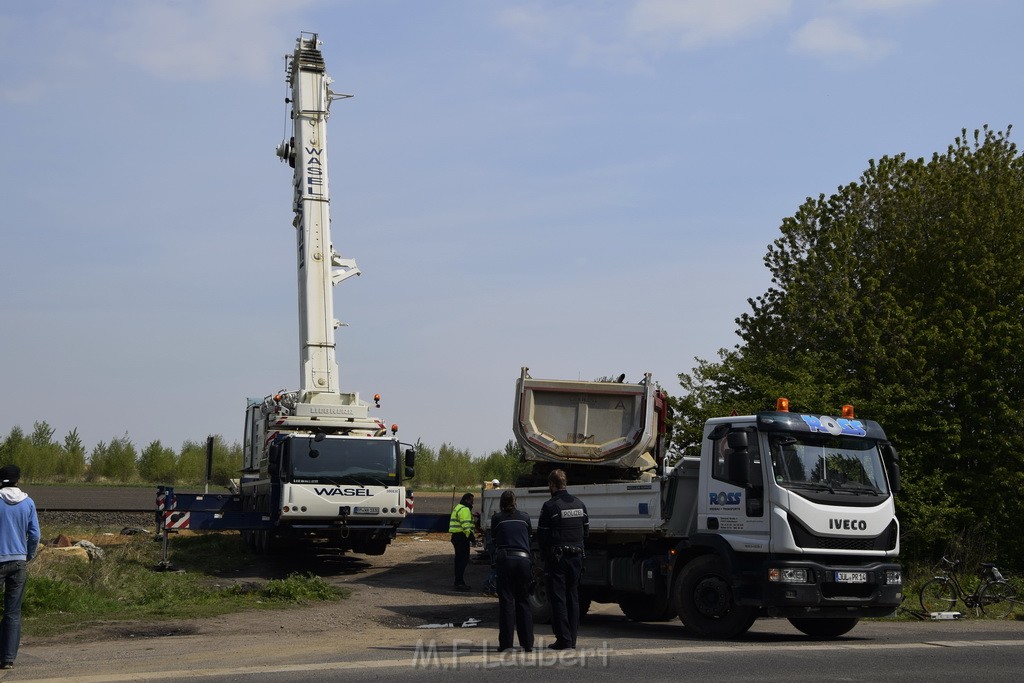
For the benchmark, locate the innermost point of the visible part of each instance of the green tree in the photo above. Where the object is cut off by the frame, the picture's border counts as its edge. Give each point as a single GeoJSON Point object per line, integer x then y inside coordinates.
{"type": "Point", "coordinates": [505, 465]}
{"type": "Point", "coordinates": [16, 448]}
{"type": "Point", "coordinates": [192, 462]}
{"type": "Point", "coordinates": [902, 294]}
{"type": "Point", "coordinates": [227, 461]}
{"type": "Point", "coordinates": [455, 466]}
{"type": "Point", "coordinates": [43, 456]}
{"type": "Point", "coordinates": [158, 464]}
{"type": "Point", "coordinates": [71, 465]}
{"type": "Point", "coordinates": [42, 434]}
{"type": "Point", "coordinates": [116, 461]}
{"type": "Point", "coordinates": [426, 459]}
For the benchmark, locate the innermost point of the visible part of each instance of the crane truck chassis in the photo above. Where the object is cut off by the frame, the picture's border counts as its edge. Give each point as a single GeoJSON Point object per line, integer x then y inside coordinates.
{"type": "Point", "coordinates": [782, 514]}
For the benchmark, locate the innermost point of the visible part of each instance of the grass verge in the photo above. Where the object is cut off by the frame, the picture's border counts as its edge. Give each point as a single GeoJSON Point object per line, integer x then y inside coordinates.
{"type": "Point", "coordinates": [66, 593]}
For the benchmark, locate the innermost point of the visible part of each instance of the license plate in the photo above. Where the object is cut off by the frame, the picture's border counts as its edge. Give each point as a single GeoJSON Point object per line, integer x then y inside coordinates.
{"type": "Point", "coordinates": [367, 511]}
{"type": "Point", "coordinates": [851, 577]}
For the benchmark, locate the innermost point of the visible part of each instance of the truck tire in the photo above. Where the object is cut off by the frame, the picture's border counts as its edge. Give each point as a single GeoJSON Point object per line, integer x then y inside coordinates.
{"type": "Point", "coordinates": [268, 543]}
{"type": "Point", "coordinates": [640, 607]}
{"type": "Point", "coordinates": [262, 547]}
{"type": "Point", "coordinates": [373, 547]}
{"type": "Point", "coordinates": [704, 598]}
{"type": "Point", "coordinates": [585, 602]}
{"type": "Point", "coordinates": [539, 604]}
{"type": "Point", "coordinates": [825, 629]}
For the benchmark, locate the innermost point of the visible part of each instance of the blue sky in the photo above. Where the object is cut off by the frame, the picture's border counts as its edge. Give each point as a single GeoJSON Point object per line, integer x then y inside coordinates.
{"type": "Point", "coordinates": [585, 188]}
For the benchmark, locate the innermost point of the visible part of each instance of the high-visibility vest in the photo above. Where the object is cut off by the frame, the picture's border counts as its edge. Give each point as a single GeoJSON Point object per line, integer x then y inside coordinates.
{"type": "Point", "coordinates": [461, 520]}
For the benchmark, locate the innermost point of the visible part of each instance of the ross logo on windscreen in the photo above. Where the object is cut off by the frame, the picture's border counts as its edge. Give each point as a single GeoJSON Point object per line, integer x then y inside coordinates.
{"type": "Point", "coordinates": [836, 426]}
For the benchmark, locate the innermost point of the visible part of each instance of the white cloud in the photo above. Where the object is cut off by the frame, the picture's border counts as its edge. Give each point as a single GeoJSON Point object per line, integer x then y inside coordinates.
{"type": "Point", "coordinates": [621, 37]}
{"type": "Point", "coordinates": [690, 24]}
{"type": "Point", "coordinates": [879, 6]}
{"type": "Point", "coordinates": [625, 37]}
{"type": "Point", "coordinates": [68, 44]}
{"type": "Point", "coordinates": [206, 41]}
{"type": "Point", "coordinates": [833, 37]}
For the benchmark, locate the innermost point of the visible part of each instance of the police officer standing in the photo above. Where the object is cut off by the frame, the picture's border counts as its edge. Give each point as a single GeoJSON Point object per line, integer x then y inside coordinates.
{"type": "Point", "coordinates": [461, 527]}
{"type": "Point", "coordinates": [514, 561]}
{"type": "Point", "coordinates": [561, 531]}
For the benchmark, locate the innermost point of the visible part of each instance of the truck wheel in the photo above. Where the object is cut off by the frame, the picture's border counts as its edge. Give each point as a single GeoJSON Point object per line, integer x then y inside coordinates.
{"type": "Point", "coordinates": [827, 628]}
{"type": "Point", "coordinates": [705, 600]}
{"type": "Point", "coordinates": [584, 603]}
{"type": "Point", "coordinates": [540, 606]}
{"type": "Point", "coordinates": [538, 599]}
{"type": "Point", "coordinates": [261, 541]}
{"type": "Point", "coordinates": [639, 607]}
{"type": "Point", "coordinates": [268, 543]}
{"type": "Point", "coordinates": [375, 547]}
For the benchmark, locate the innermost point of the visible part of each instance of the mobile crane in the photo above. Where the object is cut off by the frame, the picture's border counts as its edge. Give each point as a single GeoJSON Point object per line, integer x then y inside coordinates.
{"type": "Point", "coordinates": [316, 464]}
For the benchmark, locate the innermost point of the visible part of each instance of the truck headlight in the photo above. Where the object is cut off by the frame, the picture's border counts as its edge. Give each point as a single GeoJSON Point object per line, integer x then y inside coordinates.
{"type": "Point", "coordinates": [893, 576]}
{"type": "Point", "coordinates": [787, 575]}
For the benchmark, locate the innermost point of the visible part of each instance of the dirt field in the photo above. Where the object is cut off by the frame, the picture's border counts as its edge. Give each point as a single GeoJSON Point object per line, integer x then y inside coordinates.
{"type": "Point", "coordinates": [394, 597]}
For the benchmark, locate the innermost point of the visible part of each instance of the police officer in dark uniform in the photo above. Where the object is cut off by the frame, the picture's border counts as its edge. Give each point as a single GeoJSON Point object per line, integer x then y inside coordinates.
{"type": "Point", "coordinates": [561, 531]}
{"type": "Point", "coordinates": [510, 529]}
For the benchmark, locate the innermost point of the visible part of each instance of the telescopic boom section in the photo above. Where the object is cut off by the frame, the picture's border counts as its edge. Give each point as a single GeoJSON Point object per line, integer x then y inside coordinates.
{"type": "Point", "coordinates": [319, 266]}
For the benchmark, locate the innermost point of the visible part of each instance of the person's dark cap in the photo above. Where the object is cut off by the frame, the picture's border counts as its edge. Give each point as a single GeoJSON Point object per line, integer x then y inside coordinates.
{"type": "Point", "coordinates": [9, 475]}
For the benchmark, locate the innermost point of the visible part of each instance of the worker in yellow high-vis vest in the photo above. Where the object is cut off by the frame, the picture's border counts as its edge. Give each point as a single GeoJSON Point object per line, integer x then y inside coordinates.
{"type": "Point", "coordinates": [461, 527]}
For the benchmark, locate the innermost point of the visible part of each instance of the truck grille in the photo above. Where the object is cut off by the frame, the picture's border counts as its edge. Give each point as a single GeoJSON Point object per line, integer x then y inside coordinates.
{"type": "Point", "coordinates": [848, 590]}
{"type": "Point", "coordinates": [806, 539]}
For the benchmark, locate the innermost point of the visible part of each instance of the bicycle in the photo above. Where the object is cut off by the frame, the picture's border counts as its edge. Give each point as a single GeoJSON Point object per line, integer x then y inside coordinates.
{"type": "Point", "coordinates": [993, 596]}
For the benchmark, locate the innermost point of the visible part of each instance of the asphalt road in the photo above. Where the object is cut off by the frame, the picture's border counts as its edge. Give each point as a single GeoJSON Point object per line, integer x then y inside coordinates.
{"type": "Point", "coordinates": [615, 649]}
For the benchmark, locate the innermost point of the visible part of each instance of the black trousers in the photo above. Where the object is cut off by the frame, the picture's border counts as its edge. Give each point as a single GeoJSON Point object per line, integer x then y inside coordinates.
{"type": "Point", "coordinates": [461, 543]}
{"type": "Point", "coordinates": [514, 614]}
{"type": "Point", "coordinates": [562, 578]}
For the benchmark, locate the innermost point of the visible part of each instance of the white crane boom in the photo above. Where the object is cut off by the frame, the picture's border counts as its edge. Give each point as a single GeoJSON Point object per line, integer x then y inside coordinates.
{"type": "Point", "coordinates": [320, 267]}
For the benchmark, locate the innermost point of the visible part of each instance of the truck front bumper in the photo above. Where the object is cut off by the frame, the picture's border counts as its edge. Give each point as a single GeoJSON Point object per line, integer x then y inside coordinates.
{"type": "Point", "coordinates": [865, 590]}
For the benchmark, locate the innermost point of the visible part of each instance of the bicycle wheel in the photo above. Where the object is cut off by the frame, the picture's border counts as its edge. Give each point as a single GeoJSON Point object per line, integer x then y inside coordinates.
{"type": "Point", "coordinates": [997, 599]}
{"type": "Point", "coordinates": [938, 595]}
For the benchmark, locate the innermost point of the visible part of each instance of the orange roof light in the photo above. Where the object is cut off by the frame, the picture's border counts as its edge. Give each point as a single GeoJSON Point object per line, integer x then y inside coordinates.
{"type": "Point", "coordinates": [394, 429]}
{"type": "Point", "coordinates": [848, 411]}
{"type": "Point", "coordinates": [376, 399]}
{"type": "Point", "coordinates": [782, 405]}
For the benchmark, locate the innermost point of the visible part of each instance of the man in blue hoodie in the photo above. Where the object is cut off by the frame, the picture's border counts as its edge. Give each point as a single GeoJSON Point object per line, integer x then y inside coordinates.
{"type": "Point", "coordinates": [19, 538]}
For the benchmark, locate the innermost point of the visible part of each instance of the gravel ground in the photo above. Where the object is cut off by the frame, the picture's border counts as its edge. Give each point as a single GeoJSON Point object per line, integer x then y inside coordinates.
{"type": "Point", "coordinates": [108, 521]}
{"type": "Point", "coordinates": [400, 597]}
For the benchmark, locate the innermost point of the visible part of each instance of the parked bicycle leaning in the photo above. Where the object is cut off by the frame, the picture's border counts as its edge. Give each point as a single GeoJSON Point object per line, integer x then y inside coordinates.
{"type": "Point", "coordinates": [993, 596]}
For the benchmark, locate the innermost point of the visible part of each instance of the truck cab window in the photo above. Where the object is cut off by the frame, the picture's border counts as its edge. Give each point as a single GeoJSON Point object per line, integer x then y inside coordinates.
{"type": "Point", "coordinates": [817, 465]}
{"type": "Point", "coordinates": [740, 465]}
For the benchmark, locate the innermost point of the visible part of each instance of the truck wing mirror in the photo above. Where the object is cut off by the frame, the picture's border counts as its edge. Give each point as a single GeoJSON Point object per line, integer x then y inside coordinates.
{"type": "Point", "coordinates": [410, 463]}
{"type": "Point", "coordinates": [737, 441]}
{"type": "Point", "coordinates": [718, 432]}
{"type": "Point", "coordinates": [739, 468]}
{"type": "Point", "coordinates": [274, 461]}
{"type": "Point", "coordinates": [894, 477]}
{"type": "Point", "coordinates": [892, 466]}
